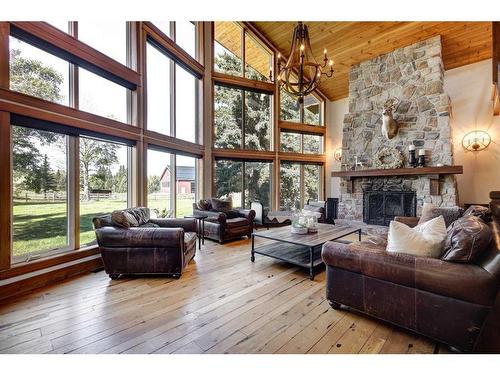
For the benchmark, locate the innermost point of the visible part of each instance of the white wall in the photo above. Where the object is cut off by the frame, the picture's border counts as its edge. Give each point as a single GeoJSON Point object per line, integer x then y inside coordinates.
{"type": "Point", "coordinates": [335, 118]}
{"type": "Point", "coordinates": [469, 88]}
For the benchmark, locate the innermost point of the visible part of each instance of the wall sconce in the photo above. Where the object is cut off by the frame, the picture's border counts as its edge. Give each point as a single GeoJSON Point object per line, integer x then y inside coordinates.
{"type": "Point", "coordinates": [476, 140]}
{"type": "Point", "coordinates": [337, 154]}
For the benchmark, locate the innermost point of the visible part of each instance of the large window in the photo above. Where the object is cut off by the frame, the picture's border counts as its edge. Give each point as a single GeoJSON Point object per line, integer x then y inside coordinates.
{"type": "Point", "coordinates": [109, 37]}
{"type": "Point", "coordinates": [185, 36]}
{"type": "Point", "coordinates": [40, 192]}
{"type": "Point", "coordinates": [44, 186]}
{"type": "Point", "coordinates": [244, 182]}
{"type": "Point", "coordinates": [242, 119]}
{"type": "Point", "coordinates": [158, 72]}
{"type": "Point", "coordinates": [102, 97]}
{"type": "Point", "coordinates": [184, 33]}
{"type": "Point", "coordinates": [229, 43]}
{"type": "Point", "coordinates": [160, 176]}
{"type": "Point", "coordinates": [104, 182]}
{"type": "Point", "coordinates": [185, 185]}
{"type": "Point", "coordinates": [172, 180]}
{"type": "Point", "coordinates": [169, 85]}
{"type": "Point", "coordinates": [309, 112]}
{"type": "Point", "coordinates": [301, 143]}
{"type": "Point", "coordinates": [37, 73]}
{"type": "Point", "coordinates": [298, 184]}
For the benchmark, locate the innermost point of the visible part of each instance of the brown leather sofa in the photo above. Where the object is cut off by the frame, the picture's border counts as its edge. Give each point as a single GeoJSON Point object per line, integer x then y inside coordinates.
{"type": "Point", "coordinates": [454, 303]}
{"type": "Point", "coordinates": [225, 226]}
{"type": "Point", "coordinates": [154, 246]}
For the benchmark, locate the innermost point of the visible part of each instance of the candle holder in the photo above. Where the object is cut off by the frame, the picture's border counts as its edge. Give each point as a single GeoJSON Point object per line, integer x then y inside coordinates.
{"type": "Point", "coordinates": [421, 158]}
{"type": "Point", "coordinates": [412, 158]}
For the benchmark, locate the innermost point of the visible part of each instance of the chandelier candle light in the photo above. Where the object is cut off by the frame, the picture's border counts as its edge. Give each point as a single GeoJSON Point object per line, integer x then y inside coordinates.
{"type": "Point", "coordinates": [301, 74]}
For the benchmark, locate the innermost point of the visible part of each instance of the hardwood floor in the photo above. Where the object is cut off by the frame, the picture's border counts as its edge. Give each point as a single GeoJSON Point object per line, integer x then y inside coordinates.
{"type": "Point", "coordinates": [223, 303]}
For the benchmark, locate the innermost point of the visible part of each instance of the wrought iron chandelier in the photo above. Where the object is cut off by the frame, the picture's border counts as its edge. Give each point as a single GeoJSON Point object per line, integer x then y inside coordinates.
{"type": "Point", "coordinates": [301, 74]}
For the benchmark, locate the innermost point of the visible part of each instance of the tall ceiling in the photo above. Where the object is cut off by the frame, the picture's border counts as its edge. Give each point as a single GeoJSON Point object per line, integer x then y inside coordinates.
{"type": "Point", "coordinates": [349, 43]}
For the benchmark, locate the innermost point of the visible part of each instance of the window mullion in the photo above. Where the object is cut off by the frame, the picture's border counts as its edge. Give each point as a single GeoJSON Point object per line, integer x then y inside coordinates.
{"type": "Point", "coordinates": [73, 192]}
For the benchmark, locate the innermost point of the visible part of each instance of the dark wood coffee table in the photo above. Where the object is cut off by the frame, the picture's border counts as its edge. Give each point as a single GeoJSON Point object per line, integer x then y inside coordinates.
{"type": "Point", "coordinates": [303, 250]}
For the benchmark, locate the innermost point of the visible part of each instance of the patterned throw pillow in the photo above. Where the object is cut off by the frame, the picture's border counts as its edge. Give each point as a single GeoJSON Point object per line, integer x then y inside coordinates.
{"type": "Point", "coordinates": [124, 219]}
{"type": "Point", "coordinates": [221, 205]}
{"type": "Point", "coordinates": [204, 205]}
{"type": "Point", "coordinates": [449, 214]}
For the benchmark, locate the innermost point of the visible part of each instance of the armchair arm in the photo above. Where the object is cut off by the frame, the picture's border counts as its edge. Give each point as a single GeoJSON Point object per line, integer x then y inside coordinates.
{"type": "Point", "coordinates": [139, 237]}
{"type": "Point", "coordinates": [188, 224]}
{"type": "Point", "coordinates": [249, 214]}
{"type": "Point", "coordinates": [219, 217]}
{"type": "Point", "coordinates": [411, 221]}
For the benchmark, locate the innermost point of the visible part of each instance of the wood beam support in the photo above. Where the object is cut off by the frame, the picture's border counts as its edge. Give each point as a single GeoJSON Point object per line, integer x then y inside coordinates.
{"type": "Point", "coordinates": [5, 191]}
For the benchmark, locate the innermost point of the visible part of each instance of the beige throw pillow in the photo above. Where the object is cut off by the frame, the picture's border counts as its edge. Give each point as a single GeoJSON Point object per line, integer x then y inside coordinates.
{"type": "Point", "coordinates": [425, 240]}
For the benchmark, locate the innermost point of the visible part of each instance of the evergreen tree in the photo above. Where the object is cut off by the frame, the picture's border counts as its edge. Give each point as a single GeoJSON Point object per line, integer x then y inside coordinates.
{"type": "Point", "coordinates": [47, 178]}
{"type": "Point", "coordinates": [154, 184]}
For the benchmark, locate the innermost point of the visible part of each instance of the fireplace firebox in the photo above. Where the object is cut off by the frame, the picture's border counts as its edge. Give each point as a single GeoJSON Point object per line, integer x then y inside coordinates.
{"type": "Point", "coordinates": [380, 207]}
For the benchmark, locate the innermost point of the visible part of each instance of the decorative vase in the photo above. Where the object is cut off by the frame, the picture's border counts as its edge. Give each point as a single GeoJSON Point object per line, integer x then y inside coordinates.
{"type": "Point", "coordinates": [312, 224]}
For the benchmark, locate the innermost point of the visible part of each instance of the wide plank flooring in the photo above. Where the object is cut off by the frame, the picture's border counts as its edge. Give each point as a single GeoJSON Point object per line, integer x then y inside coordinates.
{"type": "Point", "coordinates": [223, 303]}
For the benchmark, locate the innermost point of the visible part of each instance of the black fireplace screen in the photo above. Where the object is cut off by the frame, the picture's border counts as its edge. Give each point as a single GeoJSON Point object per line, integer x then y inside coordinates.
{"type": "Point", "coordinates": [380, 207]}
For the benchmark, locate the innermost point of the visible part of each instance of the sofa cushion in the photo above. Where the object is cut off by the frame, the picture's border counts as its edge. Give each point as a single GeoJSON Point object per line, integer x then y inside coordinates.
{"type": "Point", "coordinates": [449, 214]}
{"type": "Point", "coordinates": [466, 282]}
{"type": "Point", "coordinates": [484, 213]}
{"type": "Point", "coordinates": [466, 239]}
{"type": "Point", "coordinates": [124, 219]}
{"type": "Point", "coordinates": [204, 205]}
{"type": "Point", "coordinates": [141, 214]}
{"type": "Point", "coordinates": [425, 239]}
{"type": "Point", "coordinates": [221, 205]}
{"type": "Point", "coordinates": [237, 222]}
{"type": "Point", "coordinates": [232, 214]}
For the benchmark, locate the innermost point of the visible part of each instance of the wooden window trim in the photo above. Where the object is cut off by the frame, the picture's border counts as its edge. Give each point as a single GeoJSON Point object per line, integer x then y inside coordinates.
{"type": "Point", "coordinates": [243, 83]}
{"type": "Point", "coordinates": [27, 105]}
{"type": "Point", "coordinates": [40, 264]}
{"type": "Point", "coordinates": [5, 191]}
{"type": "Point", "coordinates": [248, 155]}
{"type": "Point", "coordinates": [175, 52]}
{"type": "Point", "coordinates": [173, 145]}
{"type": "Point", "coordinates": [79, 53]}
{"type": "Point", "coordinates": [301, 158]}
{"type": "Point", "coordinates": [4, 55]}
{"type": "Point", "coordinates": [294, 127]}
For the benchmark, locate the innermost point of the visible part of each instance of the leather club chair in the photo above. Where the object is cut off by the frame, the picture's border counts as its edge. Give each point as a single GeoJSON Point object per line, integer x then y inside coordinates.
{"type": "Point", "coordinates": [454, 303]}
{"type": "Point", "coordinates": [226, 226]}
{"type": "Point", "coordinates": [155, 246]}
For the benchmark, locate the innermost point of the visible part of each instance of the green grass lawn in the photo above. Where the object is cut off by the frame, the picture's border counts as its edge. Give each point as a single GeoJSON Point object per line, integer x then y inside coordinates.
{"type": "Point", "coordinates": [42, 226]}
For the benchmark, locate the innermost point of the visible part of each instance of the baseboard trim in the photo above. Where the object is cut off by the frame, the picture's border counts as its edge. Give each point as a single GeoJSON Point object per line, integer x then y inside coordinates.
{"type": "Point", "coordinates": [37, 279]}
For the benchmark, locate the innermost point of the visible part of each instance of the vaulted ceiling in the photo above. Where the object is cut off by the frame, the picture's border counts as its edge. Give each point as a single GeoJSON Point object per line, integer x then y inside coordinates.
{"type": "Point", "coordinates": [349, 43]}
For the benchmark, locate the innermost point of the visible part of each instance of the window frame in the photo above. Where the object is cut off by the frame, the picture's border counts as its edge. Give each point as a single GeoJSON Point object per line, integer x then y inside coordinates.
{"type": "Point", "coordinates": [73, 223]}
{"type": "Point", "coordinates": [244, 91]}
{"type": "Point", "coordinates": [302, 188]}
{"type": "Point", "coordinates": [174, 63]}
{"type": "Point", "coordinates": [244, 32]}
{"type": "Point", "coordinates": [243, 162]}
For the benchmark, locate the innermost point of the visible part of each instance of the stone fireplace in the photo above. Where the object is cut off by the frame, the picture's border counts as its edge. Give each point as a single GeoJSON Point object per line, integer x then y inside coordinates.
{"type": "Point", "coordinates": [414, 75]}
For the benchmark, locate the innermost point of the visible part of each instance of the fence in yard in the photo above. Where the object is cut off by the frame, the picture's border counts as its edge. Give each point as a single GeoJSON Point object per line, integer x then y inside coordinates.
{"type": "Point", "coordinates": [62, 196]}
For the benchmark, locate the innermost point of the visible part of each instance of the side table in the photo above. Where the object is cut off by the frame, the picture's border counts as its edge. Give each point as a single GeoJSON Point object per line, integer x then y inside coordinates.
{"type": "Point", "coordinates": [200, 219]}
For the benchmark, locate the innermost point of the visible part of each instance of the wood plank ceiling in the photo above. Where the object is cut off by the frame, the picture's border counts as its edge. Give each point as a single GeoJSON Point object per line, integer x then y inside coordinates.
{"type": "Point", "coordinates": [349, 43]}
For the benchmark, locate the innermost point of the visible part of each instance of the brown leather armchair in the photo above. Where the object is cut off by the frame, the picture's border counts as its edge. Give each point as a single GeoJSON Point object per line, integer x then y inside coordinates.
{"type": "Point", "coordinates": [226, 226]}
{"type": "Point", "coordinates": [454, 303]}
{"type": "Point", "coordinates": [155, 246]}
